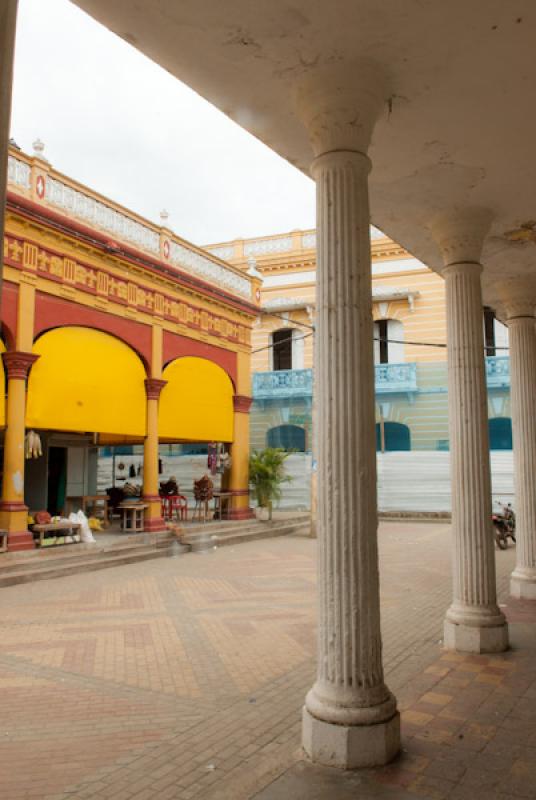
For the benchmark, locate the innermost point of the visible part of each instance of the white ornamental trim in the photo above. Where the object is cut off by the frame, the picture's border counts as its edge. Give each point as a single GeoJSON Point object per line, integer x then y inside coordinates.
{"type": "Point", "coordinates": [86, 207]}
{"type": "Point", "coordinates": [18, 172]}
{"type": "Point", "coordinates": [309, 241]}
{"type": "Point", "coordinates": [202, 266]}
{"type": "Point", "coordinates": [265, 246]}
{"type": "Point", "coordinates": [225, 252]}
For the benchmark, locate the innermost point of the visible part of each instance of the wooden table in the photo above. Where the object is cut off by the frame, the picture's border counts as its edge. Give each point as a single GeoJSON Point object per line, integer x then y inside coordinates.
{"type": "Point", "coordinates": [219, 499]}
{"type": "Point", "coordinates": [132, 517]}
{"type": "Point", "coordinates": [93, 501]}
{"type": "Point", "coordinates": [56, 530]}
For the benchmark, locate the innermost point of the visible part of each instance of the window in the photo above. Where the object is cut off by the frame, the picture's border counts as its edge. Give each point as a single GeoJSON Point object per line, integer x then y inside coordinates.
{"type": "Point", "coordinates": [282, 349]}
{"type": "Point", "coordinates": [288, 437]}
{"type": "Point", "coordinates": [495, 335]}
{"type": "Point", "coordinates": [500, 433]}
{"type": "Point", "coordinates": [388, 341]}
{"type": "Point", "coordinates": [396, 436]}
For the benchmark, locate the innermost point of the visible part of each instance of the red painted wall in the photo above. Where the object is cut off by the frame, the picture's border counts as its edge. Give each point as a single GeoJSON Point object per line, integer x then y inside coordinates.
{"type": "Point", "coordinates": [54, 312]}
{"type": "Point", "coordinates": [10, 294]}
{"type": "Point", "coordinates": [176, 346]}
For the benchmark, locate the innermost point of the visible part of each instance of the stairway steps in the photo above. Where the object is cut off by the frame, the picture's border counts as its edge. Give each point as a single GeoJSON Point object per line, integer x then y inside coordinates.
{"type": "Point", "coordinates": [82, 565]}
{"type": "Point", "coordinates": [260, 531]}
{"type": "Point", "coordinates": [43, 559]}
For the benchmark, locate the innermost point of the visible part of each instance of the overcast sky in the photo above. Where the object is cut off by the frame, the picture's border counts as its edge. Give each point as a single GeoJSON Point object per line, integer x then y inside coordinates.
{"type": "Point", "coordinates": [115, 121]}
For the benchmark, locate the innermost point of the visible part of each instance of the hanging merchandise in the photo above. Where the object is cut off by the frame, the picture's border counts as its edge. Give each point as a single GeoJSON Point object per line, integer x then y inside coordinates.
{"type": "Point", "coordinates": [160, 466]}
{"type": "Point", "coordinates": [132, 471]}
{"type": "Point", "coordinates": [212, 460]}
{"type": "Point", "coordinates": [32, 445]}
{"type": "Point", "coordinates": [220, 468]}
{"type": "Point", "coordinates": [139, 469]}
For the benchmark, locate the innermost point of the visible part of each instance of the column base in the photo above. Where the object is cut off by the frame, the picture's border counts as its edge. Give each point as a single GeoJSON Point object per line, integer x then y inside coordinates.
{"type": "Point", "coordinates": [350, 746]}
{"type": "Point", "coordinates": [239, 513]}
{"type": "Point", "coordinates": [523, 584]}
{"type": "Point", "coordinates": [19, 540]}
{"type": "Point", "coordinates": [474, 638]}
{"type": "Point", "coordinates": [154, 525]}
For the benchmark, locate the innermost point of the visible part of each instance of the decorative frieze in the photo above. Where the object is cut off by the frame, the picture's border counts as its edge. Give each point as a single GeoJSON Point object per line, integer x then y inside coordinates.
{"type": "Point", "coordinates": [68, 272]}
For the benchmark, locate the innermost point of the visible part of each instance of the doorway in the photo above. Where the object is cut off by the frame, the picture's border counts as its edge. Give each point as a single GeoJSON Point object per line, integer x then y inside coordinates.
{"type": "Point", "coordinates": [57, 479]}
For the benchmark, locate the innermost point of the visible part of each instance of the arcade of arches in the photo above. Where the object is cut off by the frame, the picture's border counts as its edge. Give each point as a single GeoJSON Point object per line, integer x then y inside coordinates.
{"type": "Point", "coordinates": [104, 348]}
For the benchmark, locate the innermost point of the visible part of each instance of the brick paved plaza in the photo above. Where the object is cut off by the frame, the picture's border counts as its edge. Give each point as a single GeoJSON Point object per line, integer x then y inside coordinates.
{"type": "Point", "coordinates": [184, 677]}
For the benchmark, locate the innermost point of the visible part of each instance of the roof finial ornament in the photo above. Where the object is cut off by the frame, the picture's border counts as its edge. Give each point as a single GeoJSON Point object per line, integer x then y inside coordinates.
{"type": "Point", "coordinates": [38, 148]}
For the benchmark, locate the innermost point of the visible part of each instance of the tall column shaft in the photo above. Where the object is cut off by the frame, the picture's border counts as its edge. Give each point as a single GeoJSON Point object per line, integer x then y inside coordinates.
{"type": "Point", "coordinates": [13, 511]}
{"type": "Point", "coordinates": [349, 696]}
{"type": "Point", "coordinates": [522, 332]}
{"type": "Point", "coordinates": [473, 622]}
{"type": "Point", "coordinates": [153, 513]}
{"type": "Point", "coordinates": [239, 473]}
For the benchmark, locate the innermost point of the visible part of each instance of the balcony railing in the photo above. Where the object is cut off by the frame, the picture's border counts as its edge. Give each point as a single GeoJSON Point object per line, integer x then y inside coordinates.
{"type": "Point", "coordinates": [396, 378]}
{"type": "Point", "coordinates": [283, 383]}
{"type": "Point", "coordinates": [497, 372]}
{"type": "Point", "coordinates": [299, 382]}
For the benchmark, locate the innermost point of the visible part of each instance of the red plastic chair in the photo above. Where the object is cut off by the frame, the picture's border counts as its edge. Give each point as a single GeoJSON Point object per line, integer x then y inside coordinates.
{"type": "Point", "coordinates": [178, 506]}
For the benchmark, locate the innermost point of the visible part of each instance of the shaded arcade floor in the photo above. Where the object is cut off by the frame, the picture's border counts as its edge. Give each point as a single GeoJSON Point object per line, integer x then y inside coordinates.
{"type": "Point", "coordinates": [184, 677]}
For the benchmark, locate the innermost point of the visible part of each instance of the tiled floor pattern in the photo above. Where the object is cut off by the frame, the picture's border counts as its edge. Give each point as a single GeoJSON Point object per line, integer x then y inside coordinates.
{"type": "Point", "coordinates": [184, 677]}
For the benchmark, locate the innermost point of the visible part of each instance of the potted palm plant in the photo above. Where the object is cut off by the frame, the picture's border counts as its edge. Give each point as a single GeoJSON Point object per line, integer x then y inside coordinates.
{"type": "Point", "coordinates": [266, 474]}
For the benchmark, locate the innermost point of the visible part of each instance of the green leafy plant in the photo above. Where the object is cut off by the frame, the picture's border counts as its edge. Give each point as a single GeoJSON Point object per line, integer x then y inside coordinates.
{"type": "Point", "coordinates": [266, 474]}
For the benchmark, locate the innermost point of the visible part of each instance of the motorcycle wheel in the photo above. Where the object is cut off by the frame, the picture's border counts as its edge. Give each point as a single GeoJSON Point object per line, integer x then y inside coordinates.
{"type": "Point", "coordinates": [502, 541]}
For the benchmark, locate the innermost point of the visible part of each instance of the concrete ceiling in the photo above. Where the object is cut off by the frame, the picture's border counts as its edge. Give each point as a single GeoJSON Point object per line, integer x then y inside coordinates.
{"type": "Point", "coordinates": [460, 127]}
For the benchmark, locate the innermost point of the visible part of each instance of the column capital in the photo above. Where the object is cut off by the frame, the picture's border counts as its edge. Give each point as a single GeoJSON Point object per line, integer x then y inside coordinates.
{"type": "Point", "coordinates": [153, 387]}
{"type": "Point", "coordinates": [242, 403]}
{"type": "Point", "coordinates": [339, 104]}
{"type": "Point", "coordinates": [18, 363]}
{"type": "Point", "coordinates": [517, 298]}
{"type": "Point", "coordinates": [460, 234]}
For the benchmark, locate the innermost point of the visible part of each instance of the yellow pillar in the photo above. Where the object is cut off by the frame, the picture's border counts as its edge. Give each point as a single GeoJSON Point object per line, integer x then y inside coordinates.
{"type": "Point", "coordinates": [13, 512]}
{"type": "Point", "coordinates": [239, 477]}
{"type": "Point", "coordinates": [153, 387]}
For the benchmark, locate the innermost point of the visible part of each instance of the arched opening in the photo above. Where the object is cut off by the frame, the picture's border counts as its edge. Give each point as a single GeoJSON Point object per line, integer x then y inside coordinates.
{"type": "Point", "coordinates": [197, 402]}
{"type": "Point", "coordinates": [388, 341]}
{"type": "Point", "coordinates": [86, 381]}
{"type": "Point", "coordinates": [396, 436]}
{"type": "Point", "coordinates": [288, 437]}
{"type": "Point", "coordinates": [500, 433]}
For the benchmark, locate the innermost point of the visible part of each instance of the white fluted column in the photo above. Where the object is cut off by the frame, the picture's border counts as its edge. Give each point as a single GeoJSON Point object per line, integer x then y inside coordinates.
{"type": "Point", "coordinates": [350, 717]}
{"type": "Point", "coordinates": [522, 334]}
{"type": "Point", "coordinates": [473, 622]}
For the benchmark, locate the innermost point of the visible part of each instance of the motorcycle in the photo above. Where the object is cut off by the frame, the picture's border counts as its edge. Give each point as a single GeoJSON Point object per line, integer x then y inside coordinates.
{"type": "Point", "coordinates": [504, 526]}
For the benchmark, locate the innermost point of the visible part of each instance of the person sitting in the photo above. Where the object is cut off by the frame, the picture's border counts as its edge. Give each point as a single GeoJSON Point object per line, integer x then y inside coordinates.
{"type": "Point", "coordinates": [169, 487]}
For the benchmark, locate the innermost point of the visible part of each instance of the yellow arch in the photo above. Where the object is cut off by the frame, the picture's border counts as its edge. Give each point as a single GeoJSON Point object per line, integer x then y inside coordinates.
{"type": "Point", "coordinates": [3, 387]}
{"type": "Point", "coordinates": [86, 380]}
{"type": "Point", "coordinates": [197, 402]}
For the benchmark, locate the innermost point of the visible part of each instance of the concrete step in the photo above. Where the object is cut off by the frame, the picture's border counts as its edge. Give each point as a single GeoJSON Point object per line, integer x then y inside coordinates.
{"type": "Point", "coordinates": [199, 541]}
{"type": "Point", "coordinates": [44, 569]}
{"type": "Point", "coordinates": [55, 555]}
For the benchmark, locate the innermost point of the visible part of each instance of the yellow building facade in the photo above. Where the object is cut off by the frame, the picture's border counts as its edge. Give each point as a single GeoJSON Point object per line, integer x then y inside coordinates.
{"type": "Point", "coordinates": [410, 335]}
{"type": "Point", "coordinates": [114, 331]}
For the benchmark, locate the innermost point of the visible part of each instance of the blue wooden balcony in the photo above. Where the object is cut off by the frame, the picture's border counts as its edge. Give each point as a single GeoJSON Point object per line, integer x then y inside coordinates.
{"type": "Point", "coordinates": [392, 378]}
{"type": "Point", "coordinates": [283, 383]}
{"type": "Point", "coordinates": [497, 372]}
